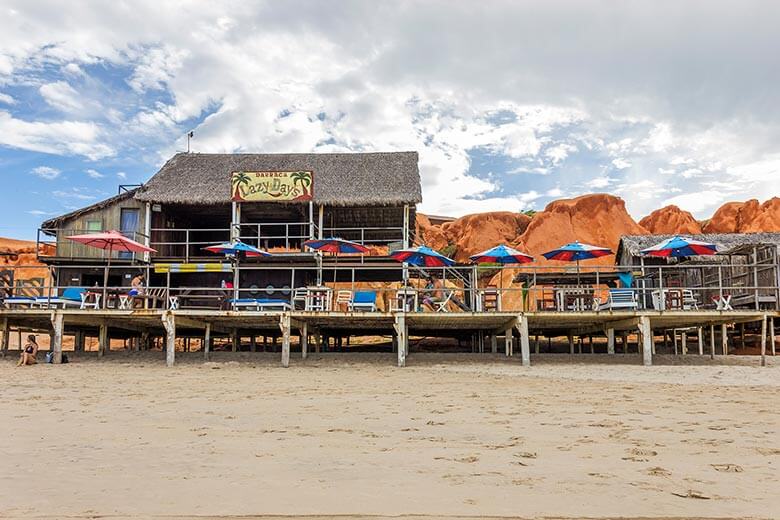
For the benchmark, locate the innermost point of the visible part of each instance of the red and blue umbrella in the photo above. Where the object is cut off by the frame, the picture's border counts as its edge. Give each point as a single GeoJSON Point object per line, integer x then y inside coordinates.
{"type": "Point", "coordinates": [678, 246]}
{"type": "Point", "coordinates": [576, 251]}
{"type": "Point", "coordinates": [335, 246]}
{"type": "Point", "coordinates": [422, 256]}
{"type": "Point", "coordinates": [501, 254]}
{"type": "Point", "coordinates": [237, 248]}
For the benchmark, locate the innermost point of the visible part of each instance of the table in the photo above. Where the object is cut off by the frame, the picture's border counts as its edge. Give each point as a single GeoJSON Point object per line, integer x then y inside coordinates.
{"type": "Point", "coordinates": [488, 299]}
{"type": "Point", "coordinates": [318, 298]}
{"type": "Point", "coordinates": [664, 299]}
{"type": "Point", "coordinates": [574, 298]}
{"type": "Point", "coordinates": [406, 300]}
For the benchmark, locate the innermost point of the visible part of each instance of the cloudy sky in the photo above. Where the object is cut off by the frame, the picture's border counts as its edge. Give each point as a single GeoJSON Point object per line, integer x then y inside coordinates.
{"type": "Point", "coordinates": [510, 104]}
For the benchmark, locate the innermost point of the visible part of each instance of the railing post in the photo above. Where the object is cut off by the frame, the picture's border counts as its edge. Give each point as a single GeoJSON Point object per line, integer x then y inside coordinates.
{"type": "Point", "coordinates": [287, 236]}
{"type": "Point", "coordinates": [186, 245]}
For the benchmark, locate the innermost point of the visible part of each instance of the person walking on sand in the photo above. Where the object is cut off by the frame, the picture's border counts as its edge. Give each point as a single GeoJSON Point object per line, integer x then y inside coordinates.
{"type": "Point", "coordinates": [27, 357]}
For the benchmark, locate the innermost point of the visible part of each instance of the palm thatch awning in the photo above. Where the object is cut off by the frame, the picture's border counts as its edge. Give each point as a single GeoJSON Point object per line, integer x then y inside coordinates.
{"type": "Point", "coordinates": [340, 179]}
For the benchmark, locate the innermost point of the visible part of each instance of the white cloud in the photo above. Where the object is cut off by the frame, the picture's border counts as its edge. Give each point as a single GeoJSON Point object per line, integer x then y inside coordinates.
{"type": "Point", "coordinates": [121, 175]}
{"type": "Point", "coordinates": [94, 174]}
{"type": "Point", "coordinates": [559, 152]}
{"type": "Point", "coordinates": [46, 172]}
{"type": "Point", "coordinates": [621, 164]}
{"type": "Point", "coordinates": [74, 193]}
{"type": "Point", "coordinates": [703, 202]}
{"type": "Point", "coordinates": [40, 213]}
{"type": "Point", "coordinates": [599, 183]}
{"type": "Point", "coordinates": [7, 99]}
{"type": "Point", "coordinates": [61, 137]}
{"type": "Point", "coordinates": [62, 96]}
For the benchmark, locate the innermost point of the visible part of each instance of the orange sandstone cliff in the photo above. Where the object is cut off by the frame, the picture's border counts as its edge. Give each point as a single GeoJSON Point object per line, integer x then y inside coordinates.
{"type": "Point", "coordinates": [671, 220]}
{"type": "Point", "coordinates": [746, 217]}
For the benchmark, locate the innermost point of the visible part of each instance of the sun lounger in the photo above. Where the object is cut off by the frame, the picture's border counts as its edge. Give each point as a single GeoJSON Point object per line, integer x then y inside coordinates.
{"type": "Point", "coordinates": [619, 299]}
{"type": "Point", "coordinates": [21, 301]}
{"type": "Point", "coordinates": [260, 304]}
{"type": "Point", "coordinates": [363, 301]}
{"type": "Point", "coordinates": [70, 297]}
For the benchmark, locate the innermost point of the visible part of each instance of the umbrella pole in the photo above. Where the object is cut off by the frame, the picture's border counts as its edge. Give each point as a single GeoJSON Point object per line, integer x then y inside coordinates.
{"type": "Point", "coordinates": [335, 265]}
{"type": "Point", "coordinates": [578, 272]}
{"type": "Point", "coordinates": [105, 278]}
{"type": "Point", "coordinates": [235, 279]}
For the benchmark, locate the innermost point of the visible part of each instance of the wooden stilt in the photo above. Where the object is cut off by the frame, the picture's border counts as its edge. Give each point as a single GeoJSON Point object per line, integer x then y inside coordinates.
{"type": "Point", "coordinates": [235, 340]}
{"type": "Point", "coordinates": [610, 341]}
{"type": "Point", "coordinates": [284, 324]}
{"type": "Point", "coordinates": [571, 343]}
{"type": "Point", "coordinates": [742, 335]}
{"type": "Point", "coordinates": [580, 341]}
{"type": "Point", "coordinates": [763, 341]}
{"type": "Point", "coordinates": [646, 335]}
{"type": "Point", "coordinates": [536, 343]}
{"type": "Point", "coordinates": [104, 344]}
{"type": "Point", "coordinates": [712, 341]}
{"type": "Point", "coordinates": [207, 342]}
{"type": "Point", "coordinates": [304, 340]}
{"type": "Point", "coordinates": [253, 343]}
{"type": "Point", "coordinates": [624, 341]}
{"type": "Point", "coordinates": [590, 343]}
{"type": "Point", "coordinates": [493, 344]}
{"type": "Point", "coordinates": [169, 324]}
{"type": "Point", "coordinates": [724, 338]}
{"type": "Point", "coordinates": [58, 323]}
{"type": "Point", "coordinates": [684, 342]}
{"type": "Point", "coordinates": [317, 342]}
{"type": "Point", "coordinates": [5, 337]}
{"type": "Point", "coordinates": [700, 331]}
{"type": "Point", "coordinates": [772, 335]}
{"type": "Point", "coordinates": [508, 339]}
{"type": "Point", "coordinates": [525, 348]}
{"type": "Point", "coordinates": [403, 340]}
{"type": "Point", "coordinates": [674, 341]}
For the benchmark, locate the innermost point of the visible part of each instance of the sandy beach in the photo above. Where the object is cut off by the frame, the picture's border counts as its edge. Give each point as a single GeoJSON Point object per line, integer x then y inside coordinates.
{"type": "Point", "coordinates": [449, 435]}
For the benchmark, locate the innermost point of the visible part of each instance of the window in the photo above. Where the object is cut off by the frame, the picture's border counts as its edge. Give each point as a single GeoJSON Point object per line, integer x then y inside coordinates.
{"type": "Point", "coordinates": [94, 225]}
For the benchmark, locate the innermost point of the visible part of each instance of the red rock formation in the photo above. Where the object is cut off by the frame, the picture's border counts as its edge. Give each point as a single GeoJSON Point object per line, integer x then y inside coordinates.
{"type": "Point", "coordinates": [746, 217]}
{"type": "Point", "coordinates": [670, 220]}
{"type": "Point", "coordinates": [475, 233]}
{"type": "Point", "coordinates": [430, 235]}
{"type": "Point", "coordinates": [597, 219]}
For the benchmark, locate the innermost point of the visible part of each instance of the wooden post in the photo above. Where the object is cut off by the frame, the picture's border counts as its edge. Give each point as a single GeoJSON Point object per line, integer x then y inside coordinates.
{"type": "Point", "coordinates": [493, 343]}
{"type": "Point", "coordinates": [724, 339]}
{"type": "Point", "coordinates": [304, 340]}
{"type": "Point", "coordinates": [624, 341]}
{"type": "Point", "coordinates": [104, 344]}
{"type": "Point", "coordinates": [508, 339]}
{"type": "Point", "coordinates": [525, 347]}
{"type": "Point", "coordinates": [701, 341]}
{"type": "Point", "coordinates": [763, 341]}
{"type": "Point", "coordinates": [169, 324]}
{"type": "Point", "coordinates": [57, 321]}
{"type": "Point", "coordinates": [742, 335]}
{"type": "Point", "coordinates": [571, 343]}
{"type": "Point", "coordinates": [253, 343]}
{"type": "Point", "coordinates": [610, 341]}
{"type": "Point", "coordinates": [772, 334]}
{"type": "Point", "coordinates": [674, 341]}
{"type": "Point", "coordinates": [234, 340]}
{"type": "Point", "coordinates": [536, 343]}
{"type": "Point", "coordinates": [646, 335]}
{"type": "Point", "coordinates": [403, 340]}
{"type": "Point", "coordinates": [207, 342]}
{"type": "Point", "coordinates": [5, 337]}
{"type": "Point", "coordinates": [712, 341]}
{"type": "Point", "coordinates": [684, 341]}
{"type": "Point", "coordinates": [284, 324]}
{"type": "Point", "coordinates": [590, 340]}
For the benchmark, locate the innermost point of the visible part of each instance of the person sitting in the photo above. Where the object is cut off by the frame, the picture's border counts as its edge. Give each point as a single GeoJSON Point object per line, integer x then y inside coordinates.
{"type": "Point", "coordinates": [137, 285]}
{"type": "Point", "coordinates": [432, 294]}
{"type": "Point", "coordinates": [30, 350]}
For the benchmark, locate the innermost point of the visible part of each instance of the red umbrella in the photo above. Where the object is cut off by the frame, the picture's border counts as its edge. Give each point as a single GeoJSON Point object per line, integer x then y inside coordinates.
{"type": "Point", "coordinates": [111, 241]}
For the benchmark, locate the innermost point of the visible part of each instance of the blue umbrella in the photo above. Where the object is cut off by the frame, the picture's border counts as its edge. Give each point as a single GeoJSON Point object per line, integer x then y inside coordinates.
{"type": "Point", "coordinates": [501, 254]}
{"type": "Point", "coordinates": [237, 247]}
{"type": "Point", "coordinates": [422, 256]}
{"type": "Point", "coordinates": [577, 251]}
{"type": "Point", "coordinates": [679, 246]}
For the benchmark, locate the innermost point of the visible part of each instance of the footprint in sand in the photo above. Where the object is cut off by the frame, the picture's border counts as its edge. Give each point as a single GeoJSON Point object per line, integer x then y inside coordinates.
{"type": "Point", "coordinates": [470, 459]}
{"type": "Point", "coordinates": [691, 493]}
{"type": "Point", "coordinates": [659, 472]}
{"type": "Point", "coordinates": [727, 468]}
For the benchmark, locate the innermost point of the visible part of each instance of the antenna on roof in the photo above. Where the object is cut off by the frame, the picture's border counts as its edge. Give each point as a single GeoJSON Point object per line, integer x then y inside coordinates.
{"type": "Point", "coordinates": [190, 135]}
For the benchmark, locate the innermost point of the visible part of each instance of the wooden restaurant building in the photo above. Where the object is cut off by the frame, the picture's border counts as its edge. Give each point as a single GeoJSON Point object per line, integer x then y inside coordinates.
{"type": "Point", "coordinates": [271, 201]}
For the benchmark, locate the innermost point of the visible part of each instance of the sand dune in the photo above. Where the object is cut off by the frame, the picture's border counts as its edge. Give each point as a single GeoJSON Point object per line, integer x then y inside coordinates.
{"type": "Point", "coordinates": [351, 435]}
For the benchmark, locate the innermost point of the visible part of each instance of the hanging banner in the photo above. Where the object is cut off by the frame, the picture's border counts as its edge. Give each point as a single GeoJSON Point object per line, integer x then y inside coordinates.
{"type": "Point", "coordinates": [193, 268]}
{"type": "Point", "coordinates": [292, 186]}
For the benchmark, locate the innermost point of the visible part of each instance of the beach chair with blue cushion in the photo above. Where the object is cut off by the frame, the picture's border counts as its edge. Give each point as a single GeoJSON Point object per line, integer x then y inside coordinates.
{"type": "Point", "coordinates": [619, 299]}
{"type": "Point", "coordinates": [363, 301]}
{"type": "Point", "coordinates": [260, 304]}
{"type": "Point", "coordinates": [70, 297]}
{"type": "Point", "coordinates": [18, 301]}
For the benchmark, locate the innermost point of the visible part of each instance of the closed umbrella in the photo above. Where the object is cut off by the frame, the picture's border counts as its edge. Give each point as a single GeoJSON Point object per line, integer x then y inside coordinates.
{"type": "Point", "coordinates": [111, 241]}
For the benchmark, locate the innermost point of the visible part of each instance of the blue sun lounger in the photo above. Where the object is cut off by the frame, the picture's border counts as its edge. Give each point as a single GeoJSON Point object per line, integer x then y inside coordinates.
{"type": "Point", "coordinates": [260, 304]}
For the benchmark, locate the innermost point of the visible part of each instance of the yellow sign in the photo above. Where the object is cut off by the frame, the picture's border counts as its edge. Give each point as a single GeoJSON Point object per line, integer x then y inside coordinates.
{"type": "Point", "coordinates": [297, 186]}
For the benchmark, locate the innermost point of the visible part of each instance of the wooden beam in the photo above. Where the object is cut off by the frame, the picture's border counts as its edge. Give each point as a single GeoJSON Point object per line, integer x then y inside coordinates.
{"type": "Point", "coordinates": [169, 324]}
{"type": "Point", "coordinates": [5, 336]}
{"type": "Point", "coordinates": [104, 344]}
{"type": "Point", "coordinates": [304, 328]}
{"type": "Point", "coordinates": [207, 342]}
{"type": "Point", "coordinates": [58, 323]}
{"type": "Point", "coordinates": [712, 341]}
{"type": "Point", "coordinates": [684, 342]}
{"type": "Point", "coordinates": [724, 338]}
{"type": "Point", "coordinates": [700, 330]}
{"type": "Point", "coordinates": [570, 336]}
{"type": "Point", "coordinates": [772, 334]}
{"type": "Point", "coordinates": [508, 341]}
{"type": "Point", "coordinates": [610, 341]}
{"type": "Point", "coordinates": [525, 347]}
{"type": "Point", "coordinates": [493, 343]}
{"type": "Point", "coordinates": [646, 335]}
{"type": "Point", "coordinates": [284, 325]}
{"type": "Point", "coordinates": [763, 341]}
{"type": "Point", "coordinates": [401, 332]}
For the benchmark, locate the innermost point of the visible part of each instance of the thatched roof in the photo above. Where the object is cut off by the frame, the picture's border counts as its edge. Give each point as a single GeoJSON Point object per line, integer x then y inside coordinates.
{"type": "Point", "coordinates": [340, 179]}
{"type": "Point", "coordinates": [631, 245]}
{"type": "Point", "coordinates": [56, 221]}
